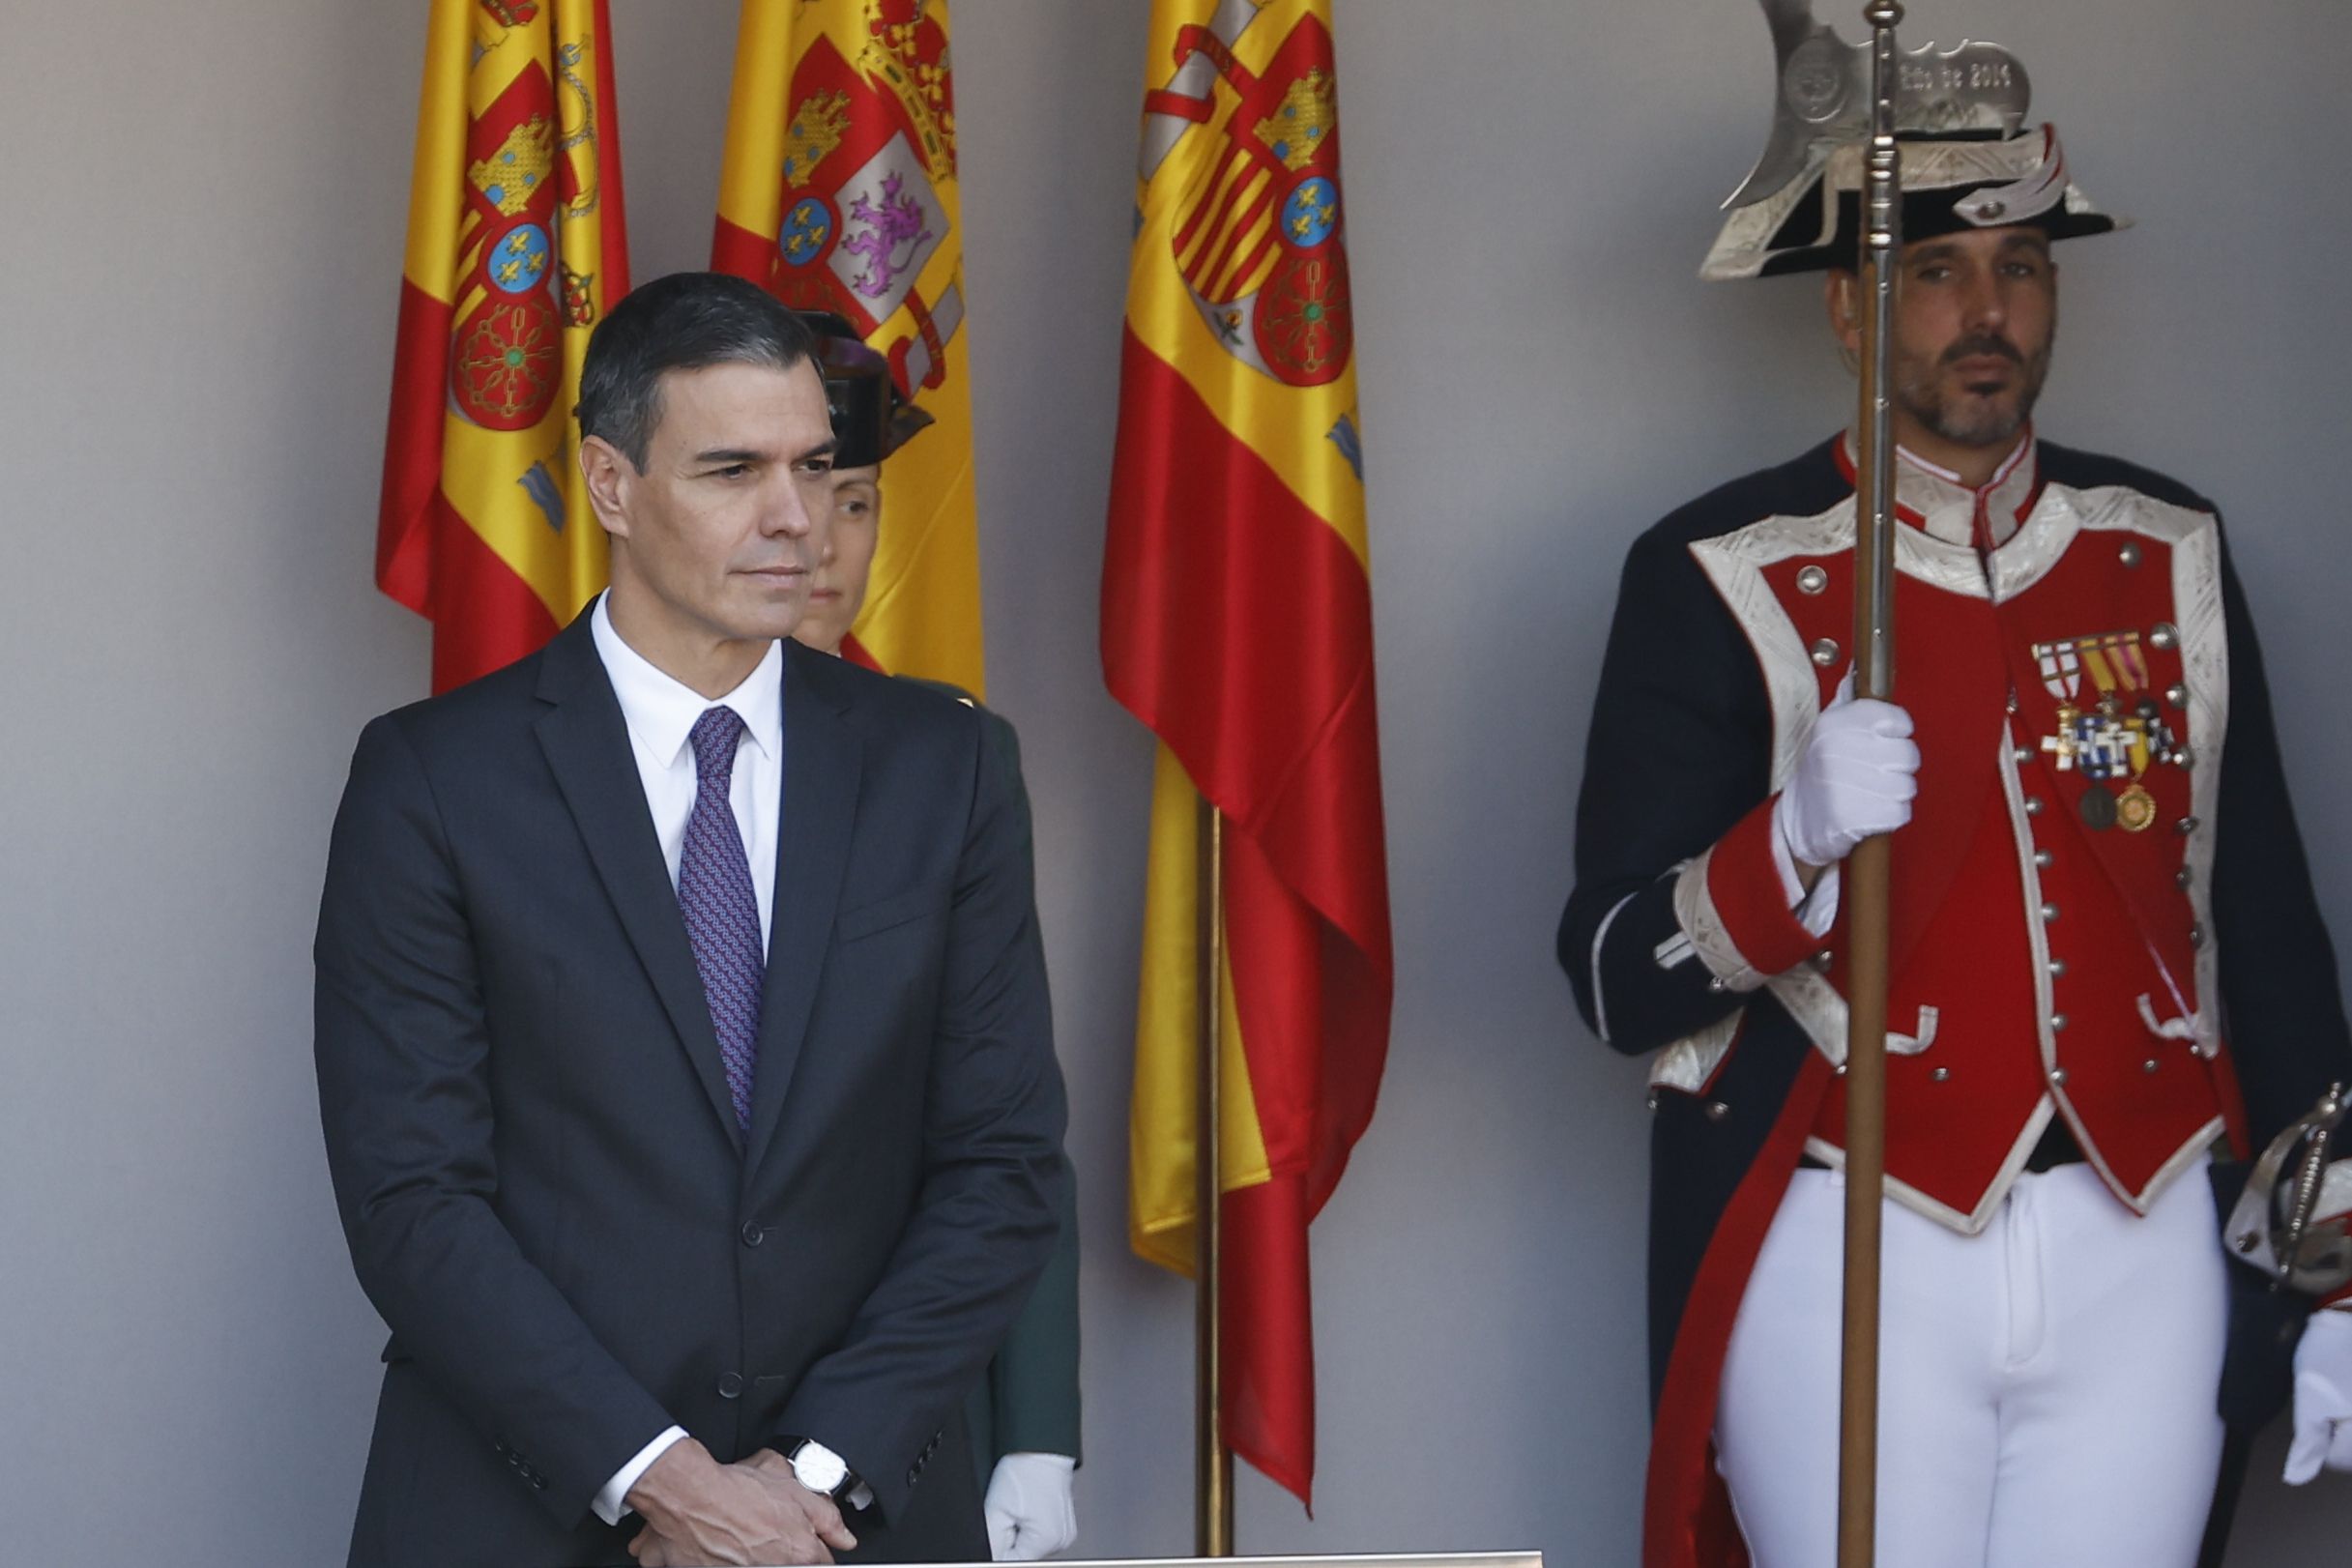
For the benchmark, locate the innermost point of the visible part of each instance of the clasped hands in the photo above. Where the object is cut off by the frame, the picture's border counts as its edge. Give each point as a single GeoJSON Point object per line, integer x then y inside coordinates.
{"type": "Point", "coordinates": [698, 1511]}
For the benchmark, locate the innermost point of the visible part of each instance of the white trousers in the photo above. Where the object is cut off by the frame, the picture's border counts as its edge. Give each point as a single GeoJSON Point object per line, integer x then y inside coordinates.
{"type": "Point", "coordinates": [2046, 1388]}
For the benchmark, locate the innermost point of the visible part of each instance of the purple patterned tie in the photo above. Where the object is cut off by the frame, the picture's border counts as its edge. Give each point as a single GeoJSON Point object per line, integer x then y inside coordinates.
{"type": "Point", "coordinates": [723, 913]}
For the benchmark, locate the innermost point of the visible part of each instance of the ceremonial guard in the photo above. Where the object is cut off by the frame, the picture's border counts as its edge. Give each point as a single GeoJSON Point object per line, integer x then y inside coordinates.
{"type": "Point", "coordinates": [1024, 1416]}
{"type": "Point", "coordinates": [2109, 982]}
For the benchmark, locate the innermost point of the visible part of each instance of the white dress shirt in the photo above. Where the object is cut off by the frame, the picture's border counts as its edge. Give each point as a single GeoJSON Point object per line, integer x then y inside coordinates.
{"type": "Point", "coordinates": [660, 713]}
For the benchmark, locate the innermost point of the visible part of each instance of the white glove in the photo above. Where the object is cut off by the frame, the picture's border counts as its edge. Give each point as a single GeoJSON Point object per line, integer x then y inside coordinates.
{"type": "Point", "coordinates": [2323, 1398]}
{"type": "Point", "coordinates": [1031, 1511]}
{"type": "Point", "coordinates": [1855, 780]}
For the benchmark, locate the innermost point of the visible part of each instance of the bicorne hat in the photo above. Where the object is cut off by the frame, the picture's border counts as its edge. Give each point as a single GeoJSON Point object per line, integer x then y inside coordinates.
{"type": "Point", "coordinates": [1950, 184]}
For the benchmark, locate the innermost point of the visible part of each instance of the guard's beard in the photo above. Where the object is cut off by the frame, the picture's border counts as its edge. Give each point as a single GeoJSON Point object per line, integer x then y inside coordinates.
{"type": "Point", "coordinates": [1974, 422]}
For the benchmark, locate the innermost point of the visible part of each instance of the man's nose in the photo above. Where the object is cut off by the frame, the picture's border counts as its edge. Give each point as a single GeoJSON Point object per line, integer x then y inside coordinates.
{"type": "Point", "coordinates": [1985, 305]}
{"type": "Point", "coordinates": [788, 514]}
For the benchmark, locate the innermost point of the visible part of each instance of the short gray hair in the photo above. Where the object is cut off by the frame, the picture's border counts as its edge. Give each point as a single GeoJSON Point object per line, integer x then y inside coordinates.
{"type": "Point", "coordinates": [683, 322]}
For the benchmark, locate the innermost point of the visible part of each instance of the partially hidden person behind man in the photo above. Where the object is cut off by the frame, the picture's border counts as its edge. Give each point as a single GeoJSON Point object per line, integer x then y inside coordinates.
{"type": "Point", "coordinates": [684, 1049]}
{"type": "Point", "coordinates": [1024, 1415]}
{"type": "Point", "coordinates": [2107, 961]}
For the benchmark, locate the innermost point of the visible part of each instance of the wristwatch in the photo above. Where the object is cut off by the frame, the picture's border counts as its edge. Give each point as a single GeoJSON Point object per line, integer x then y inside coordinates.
{"type": "Point", "coordinates": [820, 1469]}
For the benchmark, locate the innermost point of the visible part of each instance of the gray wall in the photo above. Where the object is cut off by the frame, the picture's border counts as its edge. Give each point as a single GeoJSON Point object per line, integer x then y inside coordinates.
{"type": "Point", "coordinates": [200, 225]}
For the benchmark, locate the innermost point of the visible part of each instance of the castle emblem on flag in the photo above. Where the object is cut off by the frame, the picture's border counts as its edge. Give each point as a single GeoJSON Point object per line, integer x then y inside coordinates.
{"type": "Point", "coordinates": [512, 176]}
{"type": "Point", "coordinates": [1309, 110]}
{"type": "Point", "coordinates": [816, 127]}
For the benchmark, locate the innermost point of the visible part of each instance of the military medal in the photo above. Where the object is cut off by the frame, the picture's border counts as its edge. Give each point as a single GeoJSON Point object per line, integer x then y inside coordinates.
{"type": "Point", "coordinates": [2148, 741]}
{"type": "Point", "coordinates": [2136, 809]}
{"type": "Point", "coordinates": [2098, 735]}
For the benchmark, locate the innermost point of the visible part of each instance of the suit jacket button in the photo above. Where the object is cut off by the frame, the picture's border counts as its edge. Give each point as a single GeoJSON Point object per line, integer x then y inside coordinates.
{"type": "Point", "coordinates": [752, 1235]}
{"type": "Point", "coordinates": [730, 1385]}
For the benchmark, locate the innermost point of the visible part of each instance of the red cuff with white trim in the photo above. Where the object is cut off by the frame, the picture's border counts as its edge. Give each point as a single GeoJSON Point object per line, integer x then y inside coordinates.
{"type": "Point", "coordinates": [1744, 884]}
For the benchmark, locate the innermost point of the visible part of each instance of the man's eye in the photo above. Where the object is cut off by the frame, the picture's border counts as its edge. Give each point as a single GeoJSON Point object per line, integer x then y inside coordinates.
{"type": "Point", "coordinates": [732, 470]}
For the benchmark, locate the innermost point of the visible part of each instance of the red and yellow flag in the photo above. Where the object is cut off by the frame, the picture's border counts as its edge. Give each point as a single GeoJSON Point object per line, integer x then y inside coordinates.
{"type": "Point", "coordinates": [516, 244]}
{"type": "Point", "coordinates": [839, 193]}
{"type": "Point", "coordinates": [1237, 623]}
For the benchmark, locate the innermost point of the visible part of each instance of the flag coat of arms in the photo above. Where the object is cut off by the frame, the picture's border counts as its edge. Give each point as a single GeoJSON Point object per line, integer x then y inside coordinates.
{"type": "Point", "coordinates": [1237, 623]}
{"type": "Point", "coordinates": [838, 192]}
{"type": "Point", "coordinates": [517, 242]}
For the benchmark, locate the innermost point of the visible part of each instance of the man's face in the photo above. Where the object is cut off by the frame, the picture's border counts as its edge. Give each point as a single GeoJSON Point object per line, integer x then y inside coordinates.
{"type": "Point", "coordinates": [1975, 316]}
{"type": "Point", "coordinates": [838, 592]}
{"type": "Point", "coordinates": [717, 538]}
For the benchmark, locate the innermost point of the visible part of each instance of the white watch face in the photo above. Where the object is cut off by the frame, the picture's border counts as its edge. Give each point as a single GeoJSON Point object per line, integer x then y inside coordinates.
{"type": "Point", "coordinates": [819, 1469]}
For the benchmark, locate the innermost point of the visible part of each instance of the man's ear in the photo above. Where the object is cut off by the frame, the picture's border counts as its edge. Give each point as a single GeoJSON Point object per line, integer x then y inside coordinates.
{"type": "Point", "coordinates": [608, 474]}
{"type": "Point", "coordinates": [1842, 296]}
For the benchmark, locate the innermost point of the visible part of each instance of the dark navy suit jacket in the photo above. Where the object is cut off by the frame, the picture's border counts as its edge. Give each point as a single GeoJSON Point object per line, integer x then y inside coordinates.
{"type": "Point", "coordinates": [538, 1169]}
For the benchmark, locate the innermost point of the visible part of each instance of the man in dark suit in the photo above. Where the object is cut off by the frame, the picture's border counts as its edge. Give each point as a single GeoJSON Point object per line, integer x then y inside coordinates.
{"type": "Point", "coordinates": [684, 1050]}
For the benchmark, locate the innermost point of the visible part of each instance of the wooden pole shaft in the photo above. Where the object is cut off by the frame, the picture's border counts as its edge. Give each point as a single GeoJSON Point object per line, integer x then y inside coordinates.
{"type": "Point", "coordinates": [1866, 871]}
{"type": "Point", "coordinates": [1866, 884]}
{"type": "Point", "coordinates": [1213, 1462]}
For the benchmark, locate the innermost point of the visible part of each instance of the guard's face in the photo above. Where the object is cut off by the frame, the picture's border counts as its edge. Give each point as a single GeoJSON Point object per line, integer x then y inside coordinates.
{"type": "Point", "coordinates": [716, 540]}
{"type": "Point", "coordinates": [843, 564]}
{"type": "Point", "coordinates": [1975, 315]}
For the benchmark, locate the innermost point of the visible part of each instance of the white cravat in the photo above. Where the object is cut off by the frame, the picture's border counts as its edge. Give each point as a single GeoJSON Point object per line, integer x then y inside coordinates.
{"type": "Point", "coordinates": [661, 714]}
{"type": "Point", "coordinates": [1947, 504]}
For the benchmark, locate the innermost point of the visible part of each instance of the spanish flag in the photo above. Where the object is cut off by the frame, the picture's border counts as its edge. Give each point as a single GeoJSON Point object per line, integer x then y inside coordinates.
{"type": "Point", "coordinates": [516, 244]}
{"type": "Point", "coordinates": [838, 192]}
{"type": "Point", "coordinates": [1237, 623]}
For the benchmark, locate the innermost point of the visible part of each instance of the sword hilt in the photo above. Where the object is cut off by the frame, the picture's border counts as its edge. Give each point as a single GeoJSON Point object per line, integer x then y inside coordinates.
{"type": "Point", "coordinates": [2311, 1172]}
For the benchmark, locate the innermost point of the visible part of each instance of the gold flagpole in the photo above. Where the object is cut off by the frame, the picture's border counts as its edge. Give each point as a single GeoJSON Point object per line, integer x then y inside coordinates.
{"type": "Point", "coordinates": [1213, 1483]}
{"type": "Point", "coordinates": [1867, 868]}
